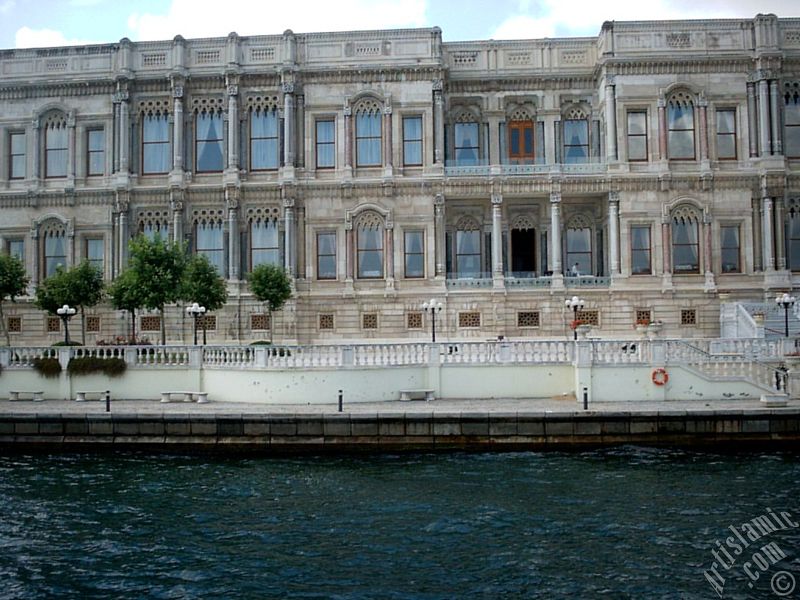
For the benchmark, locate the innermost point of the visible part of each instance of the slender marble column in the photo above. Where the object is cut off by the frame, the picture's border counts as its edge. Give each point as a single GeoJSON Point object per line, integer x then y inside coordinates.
{"type": "Point", "coordinates": [234, 248]}
{"type": "Point", "coordinates": [71, 158]}
{"type": "Point", "coordinates": [776, 123]}
{"type": "Point", "coordinates": [177, 128]}
{"type": "Point", "coordinates": [707, 245]}
{"type": "Point", "coordinates": [497, 235]}
{"type": "Point", "coordinates": [555, 233]}
{"type": "Point", "coordinates": [662, 129]}
{"type": "Point", "coordinates": [124, 135]}
{"type": "Point", "coordinates": [289, 125]}
{"type": "Point", "coordinates": [289, 237]}
{"type": "Point", "coordinates": [350, 243]}
{"type": "Point", "coordinates": [348, 139]}
{"type": "Point", "coordinates": [613, 232]}
{"type": "Point", "coordinates": [389, 233]}
{"type": "Point", "coordinates": [780, 244]}
{"type": "Point", "coordinates": [34, 152]}
{"type": "Point", "coordinates": [439, 233]}
{"type": "Point", "coordinates": [438, 126]}
{"type": "Point", "coordinates": [233, 128]}
{"type": "Point", "coordinates": [752, 119]}
{"type": "Point", "coordinates": [387, 137]}
{"type": "Point", "coordinates": [763, 117]}
{"type": "Point", "coordinates": [116, 128]}
{"type": "Point", "coordinates": [703, 111]}
{"type": "Point", "coordinates": [666, 247]}
{"type": "Point", "coordinates": [758, 263]}
{"type": "Point", "coordinates": [611, 120]}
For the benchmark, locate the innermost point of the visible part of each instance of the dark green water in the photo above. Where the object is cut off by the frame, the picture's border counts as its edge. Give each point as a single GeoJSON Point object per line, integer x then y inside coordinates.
{"type": "Point", "coordinates": [625, 523]}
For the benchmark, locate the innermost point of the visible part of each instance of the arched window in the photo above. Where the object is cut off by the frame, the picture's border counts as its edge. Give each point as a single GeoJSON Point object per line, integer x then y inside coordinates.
{"type": "Point", "coordinates": [55, 247]}
{"type": "Point", "coordinates": [208, 141]}
{"type": "Point", "coordinates": [264, 139]}
{"type": "Point", "coordinates": [154, 224]}
{"type": "Point", "coordinates": [468, 248]}
{"type": "Point", "coordinates": [523, 247]}
{"type": "Point", "coordinates": [368, 133]}
{"type": "Point", "coordinates": [56, 148]}
{"type": "Point", "coordinates": [155, 143]}
{"type": "Point", "coordinates": [576, 137]}
{"type": "Point", "coordinates": [369, 246]}
{"type": "Point", "coordinates": [791, 114]}
{"type": "Point", "coordinates": [686, 240]}
{"type": "Point", "coordinates": [579, 246]}
{"type": "Point", "coordinates": [264, 242]}
{"type": "Point", "coordinates": [210, 241]}
{"type": "Point", "coordinates": [466, 140]}
{"type": "Point", "coordinates": [680, 124]}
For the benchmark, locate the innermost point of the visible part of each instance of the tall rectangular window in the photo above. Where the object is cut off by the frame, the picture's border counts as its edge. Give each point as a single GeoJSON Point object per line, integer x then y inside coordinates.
{"type": "Point", "coordinates": [370, 252]}
{"type": "Point", "coordinates": [414, 254]}
{"type": "Point", "coordinates": [208, 143]}
{"type": "Point", "coordinates": [55, 157]}
{"type": "Point", "coordinates": [466, 144]}
{"type": "Point", "coordinates": [326, 255]}
{"type": "Point", "coordinates": [579, 251]}
{"type": "Point", "coordinates": [16, 166]}
{"type": "Point", "coordinates": [726, 134]}
{"type": "Point", "coordinates": [685, 245]}
{"type": "Point", "coordinates": [264, 140]}
{"type": "Point", "coordinates": [155, 144]}
{"type": "Point", "coordinates": [326, 144]}
{"type": "Point", "coordinates": [16, 248]}
{"type": "Point", "coordinates": [95, 152]}
{"type": "Point", "coordinates": [576, 140]}
{"type": "Point", "coordinates": [210, 244]}
{"type": "Point", "coordinates": [520, 142]}
{"type": "Point", "coordinates": [368, 139]}
{"type": "Point", "coordinates": [730, 249]}
{"type": "Point", "coordinates": [95, 252]}
{"type": "Point", "coordinates": [637, 135]}
{"type": "Point", "coordinates": [412, 141]}
{"type": "Point", "coordinates": [680, 137]}
{"type": "Point", "coordinates": [468, 253]}
{"type": "Point", "coordinates": [55, 254]}
{"type": "Point", "coordinates": [264, 243]}
{"type": "Point", "coordinates": [640, 250]}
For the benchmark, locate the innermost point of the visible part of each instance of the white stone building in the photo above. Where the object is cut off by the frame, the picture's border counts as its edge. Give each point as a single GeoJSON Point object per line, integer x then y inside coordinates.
{"type": "Point", "coordinates": [654, 170]}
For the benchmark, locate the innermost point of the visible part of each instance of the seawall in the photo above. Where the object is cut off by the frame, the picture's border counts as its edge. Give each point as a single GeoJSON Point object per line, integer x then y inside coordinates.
{"type": "Point", "coordinates": [397, 431]}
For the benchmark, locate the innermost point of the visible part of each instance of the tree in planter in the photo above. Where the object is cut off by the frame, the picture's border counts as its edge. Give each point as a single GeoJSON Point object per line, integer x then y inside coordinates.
{"type": "Point", "coordinates": [203, 284]}
{"type": "Point", "coordinates": [124, 293]}
{"type": "Point", "coordinates": [270, 284]}
{"type": "Point", "coordinates": [13, 282]}
{"type": "Point", "coordinates": [159, 268]}
{"type": "Point", "coordinates": [80, 287]}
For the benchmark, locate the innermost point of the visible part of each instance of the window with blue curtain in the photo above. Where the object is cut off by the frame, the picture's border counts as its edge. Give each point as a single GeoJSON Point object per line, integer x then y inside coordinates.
{"type": "Point", "coordinates": [264, 243]}
{"type": "Point", "coordinates": [55, 253]}
{"type": "Point", "coordinates": [680, 135]}
{"type": "Point", "coordinates": [468, 253]}
{"type": "Point", "coordinates": [412, 141]}
{"type": "Point", "coordinates": [155, 144]}
{"type": "Point", "coordinates": [368, 139]}
{"type": "Point", "coordinates": [370, 251]}
{"type": "Point", "coordinates": [209, 242]}
{"type": "Point", "coordinates": [208, 142]}
{"type": "Point", "coordinates": [56, 150]}
{"type": "Point", "coordinates": [264, 140]}
{"type": "Point", "coordinates": [685, 245]}
{"type": "Point", "coordinates": [466, 144]}
{"type": "Point", "coordinates": [576, 141]}
{"type": "Point", "coordinates": [326, 144]}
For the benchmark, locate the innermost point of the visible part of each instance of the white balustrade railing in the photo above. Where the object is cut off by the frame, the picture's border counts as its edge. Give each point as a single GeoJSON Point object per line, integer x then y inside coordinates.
{"type": "Point", "coordinates": [724, 365]}
{"type": "Point", "coordinates": [161, 356]}
{"type": "Point", "coordinates": [98, 352]}
{"type": "Point", "coordinates": [620, 353]}
{"type": "Point", "coordinates": [544, 351]}
{"type": "Point", "coordinates": [229, 356]}
{"type": "Point", "coordinates": [23, 357]}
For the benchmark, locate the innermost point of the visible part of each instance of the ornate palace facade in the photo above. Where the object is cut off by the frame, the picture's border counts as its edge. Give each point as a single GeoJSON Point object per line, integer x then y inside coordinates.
{"type": "Point", "coordinates": [653, 170]}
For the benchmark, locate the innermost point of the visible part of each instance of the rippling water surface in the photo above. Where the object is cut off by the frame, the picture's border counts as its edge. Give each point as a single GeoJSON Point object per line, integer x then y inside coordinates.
{"type": "Point", "coordinates": [626, 523]}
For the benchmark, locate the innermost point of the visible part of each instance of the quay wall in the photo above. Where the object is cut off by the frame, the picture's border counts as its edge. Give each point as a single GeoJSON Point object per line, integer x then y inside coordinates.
{"type": "Point", "coordinates": [426, 431]}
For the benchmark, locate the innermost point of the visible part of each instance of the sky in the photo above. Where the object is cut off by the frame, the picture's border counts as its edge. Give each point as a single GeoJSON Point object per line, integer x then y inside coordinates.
{"type": "Point", "coordinates": [37, 23]}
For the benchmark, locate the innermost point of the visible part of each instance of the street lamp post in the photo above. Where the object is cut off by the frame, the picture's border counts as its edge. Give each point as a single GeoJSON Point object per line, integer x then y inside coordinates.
{"type": "Point", "coordinates": [434, 307]}
{"type": "Point", "coordinates": [196, 310]}
{"type": "Point", "coordinates": [66, 312]}
{"type": "Point", "coordinates": [786, 302]}
{"type": "Point", "coordinates": [575, 304]}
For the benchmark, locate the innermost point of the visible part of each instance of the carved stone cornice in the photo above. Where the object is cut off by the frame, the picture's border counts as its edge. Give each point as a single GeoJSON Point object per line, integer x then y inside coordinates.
{"type": "Point", "coordinates": [65, 89]}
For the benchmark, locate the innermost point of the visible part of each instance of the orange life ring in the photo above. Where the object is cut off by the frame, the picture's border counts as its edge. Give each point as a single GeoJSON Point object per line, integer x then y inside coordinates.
{"type": "Point", "coordinates": [660, 376]}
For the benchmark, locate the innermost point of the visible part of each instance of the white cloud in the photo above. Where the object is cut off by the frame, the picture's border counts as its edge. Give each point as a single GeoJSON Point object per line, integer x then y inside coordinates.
{"type": "Point", "coordinates": [556, 18]}
{"type": "Point", "coordinates": [41, 38]}
{"type": "Point", "coordinates": [203, 18]}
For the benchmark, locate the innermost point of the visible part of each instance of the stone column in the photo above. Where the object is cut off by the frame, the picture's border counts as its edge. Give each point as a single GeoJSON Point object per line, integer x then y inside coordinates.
{"type": "Point", "coordinates": [438, 123]}
{"type": "Point", "coordinates": [497, 236]}
{"type": "Point", "coordinates": [763, 118]}
{"type": "Point", "coordinates": [611, 120]}
{"type": "Point", "coordinates": [289, 236]}
{"type": "Point", "coordinates": [707, 246]}
{"type": "Point", "coordinates": [71, 148]}
{"type": "Point", "coordinates": [780, 243]}
{"type": "Point", "coordinates": [124, 133]}
{"type": "Point", "coordinates": [389, 234]}
{"type": "Point", "coordinates": [123, 230]}
{"type": "Point", "coordinates": [666, 247]}
{"type": "Point", "coordinates": [387, 140]}
{"type": "Point", "coordinates": [288, 125]}
{"type": "Point", "coordinates": [613, 232]}
{"type": "Point", "coordinates": [348, 141]}
{"type": "Point", "coordinates": [177, 128]}
{"type": "Point", "coordinates": [35, 152]}
{"type": "Point", "coordinates": [350, 249]}
{"type": "Point", "coordinates": [300, 229]}
{"type": "Point", "coordinates": [233, 128]}
{"type": "Point", "coordinates": [36, 253]}
{"type": "Point", "coordinates": [662, 129]}
{"type": "Point", "coordinates": [703, 114]}
{"type": "Point", "coordinates": [439, 234]}
{"type": "Point", "coordinates": [767, 228]}
{"type": "Point", "coordinates": [752, 119]}
{"type": "Point", "coordinates": [115, 135]}
{"type": "Point", "coordinates": [176, 204]}
{"type": "Point", "coordinates": [555, 233]}
{"type": "Point", "coordinates": [776, 122]}
{"type": "Point", "coordinates": [758, 264]}
{"type": "Point", "coordinates": [300, 131]}
{"type": "Point", "coordinates": [234, 248]}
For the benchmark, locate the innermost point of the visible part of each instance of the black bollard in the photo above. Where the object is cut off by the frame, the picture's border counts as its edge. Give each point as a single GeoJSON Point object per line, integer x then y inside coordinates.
{"type": "Point", "coordinates": [108, 401]}
{"type": "Point", "coordinates": [340, 400]}
{"type": "Point", "coordinates": [585, 398]}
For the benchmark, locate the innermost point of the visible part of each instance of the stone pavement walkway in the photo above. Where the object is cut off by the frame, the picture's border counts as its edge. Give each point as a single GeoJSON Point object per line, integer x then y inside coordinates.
{"type": "Point", "coordinates": [437, 406]}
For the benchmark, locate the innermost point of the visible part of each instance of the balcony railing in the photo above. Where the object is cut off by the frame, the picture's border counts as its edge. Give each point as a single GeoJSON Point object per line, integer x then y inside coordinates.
{"type": "Point", "coordinates": [526, 279]}
{"type": "Point", "coordinates": [478, 168]}
{"type": "Point", "coordinates": [469, 280]}
{"type": "Point", "coordinates": [586, 281]}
